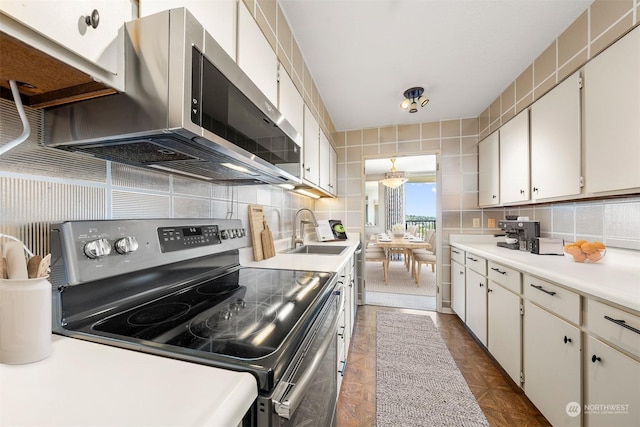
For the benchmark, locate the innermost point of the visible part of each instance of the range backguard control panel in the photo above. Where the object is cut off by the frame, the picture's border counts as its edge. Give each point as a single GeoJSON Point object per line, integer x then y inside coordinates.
{"type": "Point", "coordinates": [178, 238]}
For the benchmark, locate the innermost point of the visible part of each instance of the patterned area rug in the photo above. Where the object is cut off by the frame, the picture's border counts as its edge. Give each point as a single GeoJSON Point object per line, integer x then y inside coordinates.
{"type": "Point", "coordinates": [400, 280]}
{"type": "Point", "coordinates": [417, 380]}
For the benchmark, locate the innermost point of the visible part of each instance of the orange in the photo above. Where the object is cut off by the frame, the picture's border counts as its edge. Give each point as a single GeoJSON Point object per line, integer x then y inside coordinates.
{"type": "Point", "coordinates": [594, 257]}
{"type": "Point", "coordinates": [580, 257]}
{"type": "Point", "coordinates": [588, 248]}
{"type": "Point", "coordinates": [579, 242]}
{"type": "Point", "coordinates": [599, 245]}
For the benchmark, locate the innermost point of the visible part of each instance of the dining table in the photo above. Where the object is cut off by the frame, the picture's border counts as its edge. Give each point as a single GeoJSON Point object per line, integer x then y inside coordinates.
{"type": "Point", "coordinates": [406, 244]}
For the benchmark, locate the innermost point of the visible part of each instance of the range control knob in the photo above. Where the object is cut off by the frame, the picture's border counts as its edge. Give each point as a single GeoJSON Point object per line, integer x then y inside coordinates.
{"type": "Point", "coordinates": [97, 248]}
{"type": "Point", "coordinates": [126, 245]}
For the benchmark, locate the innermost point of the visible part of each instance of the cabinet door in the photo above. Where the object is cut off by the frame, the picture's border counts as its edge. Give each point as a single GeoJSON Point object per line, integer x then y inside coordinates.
{"type": "Point", "coordinates": [311, 148]}
{"type": "Point", "coordinates": [555, 142]}
{"type": "Point", "coordinates": [489, 171]}
{"type": "Point", "coordinates": [476, 299]}
{"type": "Point", "coordinates": [552, 366]}
{"type": "Point", "coordinates": [458, 290]}
{"type": "Point", "coordinates": [64, 23]}
{"type": "Point", "coordinates": [505, 329]}
{"type": "Point", "coordinates": [325, 162]}
{"type": "Point", "coordinates": [611, 379]}
{"type": "Point", "coordinates": [514, 159]}
{"type": "Point", "coordinates": [612, 109]}
{"type": "Point", "coordinates": [333, 171]}
{"type": "Point", "coordinates": [217, 17]}
{"type": "Point", "coordinates": [255, 56]}
{"type": "Point", "coordinates": [290, 102]}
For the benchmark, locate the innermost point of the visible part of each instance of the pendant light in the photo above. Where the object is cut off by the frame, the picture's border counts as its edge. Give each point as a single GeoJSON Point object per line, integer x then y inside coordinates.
{"type": "Point", "coordinates": [393, 179]}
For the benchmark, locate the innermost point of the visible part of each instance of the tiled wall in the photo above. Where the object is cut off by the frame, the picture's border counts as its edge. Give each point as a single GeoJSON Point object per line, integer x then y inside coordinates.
{"type": "Point", "coordinates": [597, 28]}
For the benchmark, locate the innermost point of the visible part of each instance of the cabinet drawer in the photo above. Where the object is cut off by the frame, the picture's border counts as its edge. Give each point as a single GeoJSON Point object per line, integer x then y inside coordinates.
{"type": "Point", "coordinates": [554, 298]}
{"type": "Point", "coordinates": [457, 255]}
{"type": "Point", "coordinates": [476, 263]}
{"type": "Point", "coordinates": [614, 325]}
{"type": "Point", "coordinates": [505, 276]}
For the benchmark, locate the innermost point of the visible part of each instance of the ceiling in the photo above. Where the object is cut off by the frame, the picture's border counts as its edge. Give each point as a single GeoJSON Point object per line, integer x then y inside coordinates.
{"type": "Point", "coordinates": [363, 54]}
{"type": "Point", "coordinates": [409, 164]}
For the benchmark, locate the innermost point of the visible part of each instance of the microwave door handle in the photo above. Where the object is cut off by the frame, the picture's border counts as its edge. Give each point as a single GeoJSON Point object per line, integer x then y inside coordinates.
{"type": "Point", "coordinates": [285, 408]}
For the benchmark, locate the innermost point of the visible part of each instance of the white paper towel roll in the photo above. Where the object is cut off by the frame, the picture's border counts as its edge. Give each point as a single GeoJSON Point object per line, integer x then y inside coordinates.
{"type": "Point", "coordinates": [25, 320]}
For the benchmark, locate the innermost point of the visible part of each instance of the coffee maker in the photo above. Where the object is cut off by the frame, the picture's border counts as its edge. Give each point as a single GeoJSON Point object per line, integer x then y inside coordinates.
{"type": "Point", "coordinates": [519, 233]}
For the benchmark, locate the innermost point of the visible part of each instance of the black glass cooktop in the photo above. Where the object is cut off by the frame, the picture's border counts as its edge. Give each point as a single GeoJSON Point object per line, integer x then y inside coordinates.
{"type": "Point", "coordinates": [245, 314]}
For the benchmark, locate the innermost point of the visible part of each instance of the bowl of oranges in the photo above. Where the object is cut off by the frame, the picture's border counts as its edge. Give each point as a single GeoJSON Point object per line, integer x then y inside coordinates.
{"type": "Point", "coordinates": [583, 251]}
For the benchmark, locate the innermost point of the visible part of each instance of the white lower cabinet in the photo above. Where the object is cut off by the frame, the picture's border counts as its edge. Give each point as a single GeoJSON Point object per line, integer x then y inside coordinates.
{"type": "Point", "coordinates": [505, 329]}
{"type": "Point", "coordinates": [476, 297]}
{"type": "Point", "coordinates": [458, 291]}
{"type": "Point", "coordinates": [612, 386]}
{"type": "Point", "coordinates": [552, 366]}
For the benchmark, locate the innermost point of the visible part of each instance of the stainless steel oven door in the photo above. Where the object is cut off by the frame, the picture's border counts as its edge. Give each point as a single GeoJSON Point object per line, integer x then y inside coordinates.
{"type": "Point", "coordinates": [307, 393]}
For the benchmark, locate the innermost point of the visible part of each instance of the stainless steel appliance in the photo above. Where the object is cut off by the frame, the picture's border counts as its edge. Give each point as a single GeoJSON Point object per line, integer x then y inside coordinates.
{"type": "Point", "coordinates": [188, 109]}
{"type": "Point", "coordinates": [520, 233]}
{"type": "Point", "coordinates": [547, 246]}
{"type": "Point", "coordinates": [175, 288]}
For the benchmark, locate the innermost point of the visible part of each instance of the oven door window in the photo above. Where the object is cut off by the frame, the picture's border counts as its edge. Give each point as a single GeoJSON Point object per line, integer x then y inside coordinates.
{"type": "Point", "coordinates": [228, 113]}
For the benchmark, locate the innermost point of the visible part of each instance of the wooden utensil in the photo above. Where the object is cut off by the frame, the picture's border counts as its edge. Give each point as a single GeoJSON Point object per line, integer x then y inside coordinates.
{"type": "Point", "coordinates": [3, 268]}
{"type": "Point", "coordinates": [32, 266]}
{"type": "Point", "coordinates": [43, 268]}
{"type": "Point", "coordinates": [268, 248]}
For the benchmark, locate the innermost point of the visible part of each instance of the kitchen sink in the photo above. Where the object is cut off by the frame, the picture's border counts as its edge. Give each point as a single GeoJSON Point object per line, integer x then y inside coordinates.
{"type": "Point", "coordinates": [317, 250]}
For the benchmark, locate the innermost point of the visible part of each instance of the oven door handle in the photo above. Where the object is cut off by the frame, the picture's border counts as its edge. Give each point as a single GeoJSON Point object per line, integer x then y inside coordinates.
{"type": "Point", "coordinates": [295, 392]}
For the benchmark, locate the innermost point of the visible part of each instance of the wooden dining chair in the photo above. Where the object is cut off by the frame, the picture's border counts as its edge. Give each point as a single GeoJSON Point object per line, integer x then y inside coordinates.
{"type": "Point", "coordinates": [420, 258]}
{"type": "Point", "coordinates": [378, 255]}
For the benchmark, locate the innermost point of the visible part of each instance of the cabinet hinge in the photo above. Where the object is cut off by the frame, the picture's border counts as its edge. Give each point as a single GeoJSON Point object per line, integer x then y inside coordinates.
{"type": "Point", "coordinates": [521, 309]}
{"type": "Point", "coordinates": [581, 183]}
{"type": "Point", "coordinates": [278, 73]}
{"type": "Point", "coordinates": [579, 82]}
{"type": "Point", "coordinates": [521, 377]}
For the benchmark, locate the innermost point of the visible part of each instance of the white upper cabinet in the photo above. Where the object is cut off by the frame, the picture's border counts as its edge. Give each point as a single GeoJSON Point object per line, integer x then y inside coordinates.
{"type": "Point", "coordinates": [325, 163]}
{"type": "Point", "coordinates": [514, 159]}
{"type": "Point", "coordinates": [217, 17]}
{"type": "Point", "coordinates": [555, 142]}
{"type": "Point", "coordinates": [290, 102]}
{"type": "Point", "coordinates": [88, 28]}
{"type": "Point", "coordinates": [612, 117]}
{"type": "Point", "coordinates": [489, 171]}
{"type": "Point", "coordinates": [255, 56]}
{"type": "Point", "coordinates": [333, 171]}
{"type": "Point", "coordinates": [311, 148]}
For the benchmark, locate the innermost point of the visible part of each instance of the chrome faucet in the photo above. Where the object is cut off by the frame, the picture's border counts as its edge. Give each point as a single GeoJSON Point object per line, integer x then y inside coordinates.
{"type": "Point", "coordinates": [299, 240]}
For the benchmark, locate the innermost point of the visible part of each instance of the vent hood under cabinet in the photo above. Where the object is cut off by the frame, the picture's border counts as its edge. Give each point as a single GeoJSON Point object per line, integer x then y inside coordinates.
{"type": "Point", "coordinates": [187, 109]}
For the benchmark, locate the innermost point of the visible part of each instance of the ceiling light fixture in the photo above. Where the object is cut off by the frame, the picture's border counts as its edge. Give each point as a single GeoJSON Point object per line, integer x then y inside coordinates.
{"type": "Point", "coordinates": [393, 179]}
{"type": "Point", "coordinates": [410, 97]}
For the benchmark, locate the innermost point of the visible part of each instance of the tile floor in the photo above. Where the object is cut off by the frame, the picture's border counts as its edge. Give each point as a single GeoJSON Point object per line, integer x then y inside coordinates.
{"type": "Point", "coordinates": [503, 403]}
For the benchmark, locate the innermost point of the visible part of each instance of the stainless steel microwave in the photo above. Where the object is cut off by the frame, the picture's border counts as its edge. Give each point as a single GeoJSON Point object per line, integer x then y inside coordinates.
{"type": "Point", "coordinates": [187, 109]}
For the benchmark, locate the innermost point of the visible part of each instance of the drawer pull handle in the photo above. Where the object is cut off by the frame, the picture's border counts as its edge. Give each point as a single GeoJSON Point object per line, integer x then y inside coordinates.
{"type": "Point", "coordinates": [540, 288]}
{"type": "Point", "coordinates": [595, 359]}
{"type": "Point", "coordinates": [498, 270]}
{"type": "Point", "coordinates": [566, 339]}
{"type": "Point", "coordinates": [622, 323]}
{"type": "Point", "coordinates": [455, 252]}
{"type": "Point", "coordinates": [472, 259]}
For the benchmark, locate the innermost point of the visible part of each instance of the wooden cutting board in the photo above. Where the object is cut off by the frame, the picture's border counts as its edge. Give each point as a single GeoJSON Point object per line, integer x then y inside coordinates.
{"type": "Point", "coordinates": [256, 226]}
{"type": "Point", "coordinates": [268, 248]}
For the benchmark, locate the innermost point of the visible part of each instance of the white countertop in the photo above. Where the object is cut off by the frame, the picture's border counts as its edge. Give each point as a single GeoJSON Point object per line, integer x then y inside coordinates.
{"type": "Point", "coordinates": [616, 278]}
{"type": "Point", "coordinates": [88, 384]}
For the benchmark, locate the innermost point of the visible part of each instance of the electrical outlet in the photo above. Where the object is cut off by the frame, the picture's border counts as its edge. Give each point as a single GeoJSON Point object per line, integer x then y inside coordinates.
{"type": "Point", "coordinates": [491, 223]}
{"type": "Point", "coordinates": [476, 222]}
